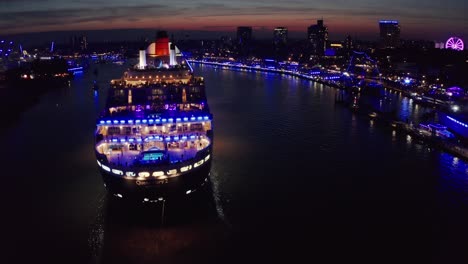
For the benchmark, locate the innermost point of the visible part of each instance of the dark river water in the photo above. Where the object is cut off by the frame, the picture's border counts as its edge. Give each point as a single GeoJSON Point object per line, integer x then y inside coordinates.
{"type": "Point", "coordinates": [295, 178]}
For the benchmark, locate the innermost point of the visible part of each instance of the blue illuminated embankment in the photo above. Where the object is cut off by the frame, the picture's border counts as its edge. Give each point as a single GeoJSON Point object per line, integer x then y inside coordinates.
{"type": "Point", "coordinates": [455, 124]}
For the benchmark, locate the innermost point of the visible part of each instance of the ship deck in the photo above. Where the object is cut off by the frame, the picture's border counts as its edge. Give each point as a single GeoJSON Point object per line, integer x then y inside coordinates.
{"type": "Point", "coordinates": [131, 154]}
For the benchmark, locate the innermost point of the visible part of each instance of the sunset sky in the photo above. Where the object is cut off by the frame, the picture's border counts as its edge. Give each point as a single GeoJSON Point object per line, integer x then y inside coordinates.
{"type": "Point", "coordinates": [419, 19]}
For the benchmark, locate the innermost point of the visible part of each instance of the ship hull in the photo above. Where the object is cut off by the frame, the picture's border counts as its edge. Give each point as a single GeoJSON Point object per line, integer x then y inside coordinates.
{"type": "Point", "coordinates": [151, 189]}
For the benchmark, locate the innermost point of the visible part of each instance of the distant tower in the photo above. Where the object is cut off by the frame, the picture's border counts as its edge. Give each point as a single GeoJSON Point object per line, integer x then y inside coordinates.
{"type": "Point", "coordinates": [78, 43]}
{"type": "Point", "coordinates": [389, 34]}
{"type": "Point", "coordinates": [318, 38]}
{"type": "Point", "coordinates": [280, 36]}
{"type": "Point", "coordinates": [280, 41]}
{"type": "Point", "coordinates": [244, 40]}
{"type": "Point", "coordinates": [83, 43]}
{"type": "Point", "coordinates": [348, 43]}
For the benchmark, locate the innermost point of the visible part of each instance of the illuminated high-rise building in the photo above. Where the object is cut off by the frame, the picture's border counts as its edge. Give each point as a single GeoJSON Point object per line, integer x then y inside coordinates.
{"type": "Point", "coordinates": [83, 43]}
{"type": "Point", "coordinates": [389, 34]}
{"type": "Point", "coordinates": [79, 43]}
{"type": "Point", "coordinates": [280, 36]}
{"type": "Point", "coordinates": [280, 41]}
{"type": "Point", "coordinates": [318, 38]}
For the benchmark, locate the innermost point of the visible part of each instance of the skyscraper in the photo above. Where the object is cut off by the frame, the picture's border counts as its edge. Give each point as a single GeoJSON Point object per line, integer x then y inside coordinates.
{"type": "Point", "coordinates": [318, 37]}
{"type": "Point", "coordinates": [83, 43]}
{"type": "Point", "coordinates": [389, 34]}
{"type": "Point", "coordinates": [348, 43]}
{"type": "Point", "coordinates": [78, 43]}
{"type": "Point", "coordinates": [280, 41]}
{"type": "Point", "coordinates": [280, 36]}
{"type": "Point", "coordinates": [244, 39]}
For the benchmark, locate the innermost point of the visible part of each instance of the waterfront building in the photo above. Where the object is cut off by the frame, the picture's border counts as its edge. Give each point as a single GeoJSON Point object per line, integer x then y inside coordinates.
{"type": "Point", "coordinates": [389, 34]}
{"type": "Point", "coordinates": [318, 38]}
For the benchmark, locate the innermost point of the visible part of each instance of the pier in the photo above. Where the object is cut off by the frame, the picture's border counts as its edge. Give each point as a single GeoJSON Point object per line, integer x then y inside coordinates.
{"type": "Point", "coordinates": [450, 146]}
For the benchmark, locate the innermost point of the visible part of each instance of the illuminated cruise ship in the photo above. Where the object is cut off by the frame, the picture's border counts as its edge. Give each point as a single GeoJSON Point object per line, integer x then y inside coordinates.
{"type": "Point", "coordinates": [154, 138]}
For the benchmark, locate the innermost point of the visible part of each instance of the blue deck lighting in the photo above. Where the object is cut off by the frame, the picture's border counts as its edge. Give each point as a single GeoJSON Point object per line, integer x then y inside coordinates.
{"type": "Point", "coordinates": [456, 121]}
{"type": "Point", "coordinates": [76, 69]}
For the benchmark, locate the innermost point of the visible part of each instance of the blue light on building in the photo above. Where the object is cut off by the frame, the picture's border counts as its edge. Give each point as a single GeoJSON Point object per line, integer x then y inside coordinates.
{"type": "Point", "coordinates": [388, 21]}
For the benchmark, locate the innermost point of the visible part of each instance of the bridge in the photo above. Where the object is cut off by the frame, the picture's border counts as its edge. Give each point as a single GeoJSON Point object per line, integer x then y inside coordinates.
{"type": "Point", "coordinates": [362, 74]}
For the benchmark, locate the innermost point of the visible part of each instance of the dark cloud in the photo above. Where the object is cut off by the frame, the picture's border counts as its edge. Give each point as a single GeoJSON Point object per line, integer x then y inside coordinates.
{"type": "Point", "coordinates": [73, 16]}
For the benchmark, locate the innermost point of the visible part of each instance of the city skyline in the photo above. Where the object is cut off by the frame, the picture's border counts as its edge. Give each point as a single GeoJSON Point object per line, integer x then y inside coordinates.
{"type": "Point", "coordinates": [418, 19]}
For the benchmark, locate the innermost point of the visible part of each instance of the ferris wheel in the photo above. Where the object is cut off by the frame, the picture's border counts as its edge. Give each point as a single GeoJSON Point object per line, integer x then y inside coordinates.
{"type": "Point", "coordinates": [454, 43]}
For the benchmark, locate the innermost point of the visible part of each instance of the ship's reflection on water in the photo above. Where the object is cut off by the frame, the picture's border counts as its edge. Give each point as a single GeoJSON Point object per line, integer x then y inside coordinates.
{"type": "Point", "coordinates": [179, 230]}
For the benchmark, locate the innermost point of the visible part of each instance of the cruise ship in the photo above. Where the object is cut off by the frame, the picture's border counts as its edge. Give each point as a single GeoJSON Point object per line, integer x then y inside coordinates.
{"type": "Point", "coordinates": [154, 139]}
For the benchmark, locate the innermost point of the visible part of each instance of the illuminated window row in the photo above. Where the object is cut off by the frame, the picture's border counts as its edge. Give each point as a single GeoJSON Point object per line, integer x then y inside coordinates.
{"type": "Point", "coordinates": [456, 121]}
{"type": "Point", "coordinates": [153, 121]}
{"type": "Point", "coordinates": [159, 174]}
{"type": "Point", "coordinates": [150, 76]}
{"type": "Point", "coordinates": [332, 78]}
{"type": "Point", "coordinates": [156, 138]}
